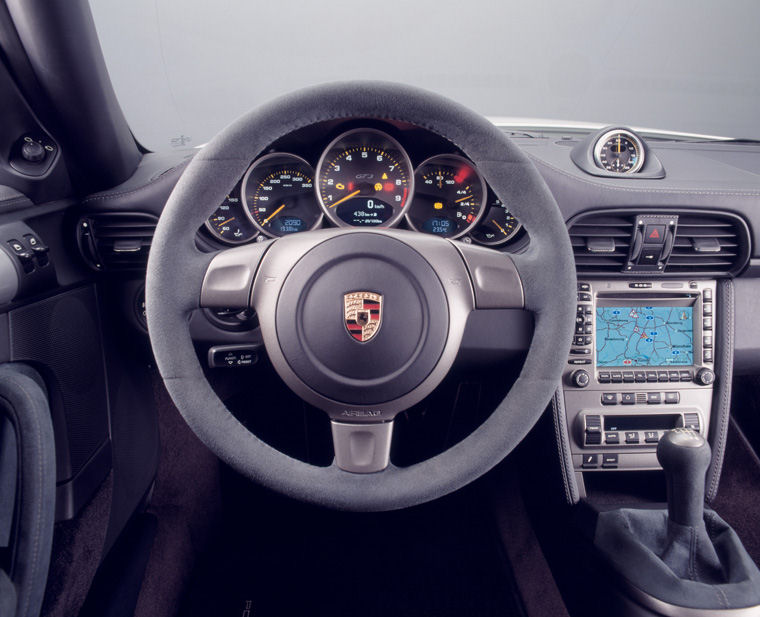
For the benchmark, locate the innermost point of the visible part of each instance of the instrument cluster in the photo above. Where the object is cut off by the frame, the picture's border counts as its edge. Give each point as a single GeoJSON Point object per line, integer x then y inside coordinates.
{"type": "Point", "coordinates": [364, 177]}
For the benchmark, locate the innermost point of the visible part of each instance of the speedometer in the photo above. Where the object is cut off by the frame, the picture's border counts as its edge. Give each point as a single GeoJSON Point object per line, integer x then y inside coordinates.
{"type": "Point", "coordinates": [364, 179]}
{"type": "Point", "coordinates": [278, 193]}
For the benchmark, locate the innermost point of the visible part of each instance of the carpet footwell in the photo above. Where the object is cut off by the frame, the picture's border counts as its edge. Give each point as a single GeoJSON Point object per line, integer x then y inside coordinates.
{"type": "Point", "coordinates": [275, 557]}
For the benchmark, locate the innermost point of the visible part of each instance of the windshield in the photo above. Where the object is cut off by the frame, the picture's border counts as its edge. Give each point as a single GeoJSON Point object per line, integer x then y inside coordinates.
{"type": "Point", "coordinates": [183, 70]}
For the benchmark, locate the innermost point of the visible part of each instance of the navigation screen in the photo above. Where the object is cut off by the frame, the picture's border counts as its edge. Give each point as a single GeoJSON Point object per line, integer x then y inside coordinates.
{"type": "Point", "coordinates": [644, 336]}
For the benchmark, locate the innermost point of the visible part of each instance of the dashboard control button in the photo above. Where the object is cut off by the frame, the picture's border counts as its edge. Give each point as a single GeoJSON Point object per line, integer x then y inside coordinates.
{"type": "Point", "coordinates": [628, 398]}
{"type": "Point", "coordinates": [580, 379]}
{"type": "Point", "coordinates": [616, 377]}
{"type": "Point", "coordinates": [609, 461]}
{"type": "Point", "coordinates": [651, 376]}
{"type": "Point", "coordinates": [705, 377]}
{"type": "Point", "coordinates": [672, 398]}
{"type": "Point", "coordinates": [588, 329]}
{"type": "Point", "coordinates": [707, 295]}
{"type": "Point", "coordinates": [662, 376]}
{"type": "Point", "coordinates": [584, 286]}
{"type": "Point", "coordinates": [604, 377]}
{"type": "Point", "coordinates": [628, 376]}
{"type": "Point", "coordinates": [686, 375]}
{"type": "Point", "coordinates": [577, 361]}
{"type": "Point", "coordinates": [707, 308]}
{"type": "Point", "coordinates": [707, 341]}
{"type": "Point", "coordinates": [651, 437]}
{"type": "Point", "coordinates": [612, 438]}
{"type": "Point", "coordinates": [588, 310]}
{"type": "Point", "coordinates": [584, 351]}
{"type": "Point", "coordinates": [707, 323]}
{"type": "Point", "coordinates": [639, 376]}
{"type": "Point", "coordinates": [640, 285]}
{"type": "Point", "coordinates": [579, 327]}
{"type": "Point", "coordinates": [232, 356]}
{"type": "Point", "coordinates": [590, 461]}
{"type": "Point", "coordinates": [593, 423]}
{"type": "Point", "coordinates": [654, 234]}
{"type": "Point", "coordinates": [578, 340]}
{"type": "Point", "coordinates": [674, 376]}
{"type": "Point", "coordinates": [631, 437]}
{"type": "Point", "coordinates": [707, 355]}
{"type": "Point", "coordinates": [609, 398]}
{"type": "Point", "coordinates": [584, 297]}
{"type": "Point", "coordinates": [653, 398]}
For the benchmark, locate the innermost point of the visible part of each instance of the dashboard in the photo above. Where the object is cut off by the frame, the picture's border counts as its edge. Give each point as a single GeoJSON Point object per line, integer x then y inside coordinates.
{"type": "Point", "coordinates": [364, 174]}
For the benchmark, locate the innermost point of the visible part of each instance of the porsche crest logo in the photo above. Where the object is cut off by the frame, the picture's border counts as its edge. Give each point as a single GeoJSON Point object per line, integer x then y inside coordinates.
{"type": "Point", "coordinates": [363, 314]}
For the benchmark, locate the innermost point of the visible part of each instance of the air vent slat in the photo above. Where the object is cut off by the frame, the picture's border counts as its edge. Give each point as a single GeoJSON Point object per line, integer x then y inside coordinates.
{"type": "Point", "coordinates": [119, 240]}
{"type": "Point", "coordinates": [706, 243]}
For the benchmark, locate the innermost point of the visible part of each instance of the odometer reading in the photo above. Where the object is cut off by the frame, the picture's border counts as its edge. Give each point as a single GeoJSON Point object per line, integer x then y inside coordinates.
{"type": "Point", "coordinates": [450, 196]}
{"type": "Point", "coordinates": [278, 191]}
{"type": "Point", "coordinates": [365, 180]}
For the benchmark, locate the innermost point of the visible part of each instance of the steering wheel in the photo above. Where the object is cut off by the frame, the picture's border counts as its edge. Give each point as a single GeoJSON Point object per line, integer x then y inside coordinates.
{"type": "Point", "coordinates": [304, 287]}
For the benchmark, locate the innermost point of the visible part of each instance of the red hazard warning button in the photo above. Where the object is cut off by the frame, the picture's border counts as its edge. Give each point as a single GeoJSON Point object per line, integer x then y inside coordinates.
{"type": "Point", "coordinates": [654, 234]}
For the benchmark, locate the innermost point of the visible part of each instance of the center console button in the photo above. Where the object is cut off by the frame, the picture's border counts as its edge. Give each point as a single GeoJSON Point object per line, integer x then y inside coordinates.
{"type": "Point", "coordinates": [590, 461]}
{"type": "Point", "coordinates": [639, 376]}
{"type": "Point", "coordinates": [627, 376]}
{"type": "Point", "coordinates": [672, 398]}
{"type": "Point", "coordinates": [581, 352]}
{"type": "Point", "coordinates": [631, 437]}
{"type": "Point", "coordinates": [651, 437]}
{"type": "Point", "coordinates": [707, 295]}
{"type": "Point", "coordinates": [628, 398]}
{"type": "Point", "coordinates": [653, 398]}
{"type": "Point", "coordinates": [651, 376]}
{"type": "Point", "coordinates": [609, 398]}
{"type": "Point", "coordinates": [662, 376]}
{"type": "Point", "coordinates": [674, 375]}
{"type": "Point", "coordinates": [609, 461]}
{"type": "Point", "coordinates": [593, 439]}
{"type": "Point", "coordinates": [616, 377]}
{"type": "Point", "coordinates": [686, 375]}
{"type": "Point", "coordinates": [584, 297]}
{"type": "Point", "coordinates": [584, 286]}
{"type": "Point", "coordinates": [612, 438]}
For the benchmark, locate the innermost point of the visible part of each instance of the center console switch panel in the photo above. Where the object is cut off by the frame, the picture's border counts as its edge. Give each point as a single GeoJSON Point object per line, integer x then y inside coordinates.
{"type": "Point", "coordinates": [25, 263]}
{"type": "Point", "coordinates": [641, 363]}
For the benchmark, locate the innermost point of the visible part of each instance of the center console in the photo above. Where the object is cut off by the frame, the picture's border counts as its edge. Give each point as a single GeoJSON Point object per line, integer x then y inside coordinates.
{"type": "Point", "coordinates": [641, 363]}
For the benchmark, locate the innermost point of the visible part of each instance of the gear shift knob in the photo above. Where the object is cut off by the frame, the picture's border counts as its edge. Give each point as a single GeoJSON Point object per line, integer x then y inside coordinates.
{"type": "Point", "coordinates": [685, 456]}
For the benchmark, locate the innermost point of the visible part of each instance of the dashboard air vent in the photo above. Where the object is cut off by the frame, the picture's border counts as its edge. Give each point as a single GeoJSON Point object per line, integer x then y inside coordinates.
{"type": "Point", "coordinates": [117, 240]}
{"type": "Point", "coordinates": [709, 243]}
{"type": "Point", "coordinates": [601, 242]}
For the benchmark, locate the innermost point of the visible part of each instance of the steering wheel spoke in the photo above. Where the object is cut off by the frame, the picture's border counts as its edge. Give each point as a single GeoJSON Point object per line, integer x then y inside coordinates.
{"type": "Point", "coordinates": [229, 277]}
{"type": "Point", "coordinates": [496, 282]}
{"type": "Point", "coordinates": [362, 448]}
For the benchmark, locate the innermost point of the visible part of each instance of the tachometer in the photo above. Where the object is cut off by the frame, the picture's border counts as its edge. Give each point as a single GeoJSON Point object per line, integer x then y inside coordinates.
{"type": "Point", "coordinates": [450, 196]}
{"type": "Point", "coordinates": [364, 179]}
{"type": "Point", "coordinates": [278, 193]}
{"type": "Point", "coordinates": [229, 222]}
{"type": "Point", "coordinates": [619, 151]}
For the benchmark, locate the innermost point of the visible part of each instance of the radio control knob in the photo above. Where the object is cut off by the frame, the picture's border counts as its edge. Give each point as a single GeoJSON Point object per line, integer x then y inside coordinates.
{"type": "Point", "coordinates": [705, 377]}
{"type": "Point", "coordinates": [580, 379]}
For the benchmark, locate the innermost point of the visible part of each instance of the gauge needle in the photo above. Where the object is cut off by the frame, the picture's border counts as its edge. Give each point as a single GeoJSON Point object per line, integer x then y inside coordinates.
{"type": "Point", "coordinates": [463, 198]}
{"type": "Point", "coordinates": [229, 220]}
{"type": "Point", "coordinates": [342, 199]}
{"type": "Point", "coordinates": [501, 229]}
{"type": "Point", "coordinates": [271, 216]}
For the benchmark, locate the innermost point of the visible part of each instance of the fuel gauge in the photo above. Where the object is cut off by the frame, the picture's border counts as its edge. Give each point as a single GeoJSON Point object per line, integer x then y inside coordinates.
{"type": "Point", "coordinates": [229, 224]}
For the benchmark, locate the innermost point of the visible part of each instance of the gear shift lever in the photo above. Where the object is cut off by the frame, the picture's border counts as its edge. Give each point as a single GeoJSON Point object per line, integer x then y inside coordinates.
{"type": "Point", "coordinates": [684, 455]}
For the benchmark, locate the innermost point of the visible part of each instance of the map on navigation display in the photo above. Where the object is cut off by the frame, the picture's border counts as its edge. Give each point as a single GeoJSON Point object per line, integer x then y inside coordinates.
{"type": "Point", "coordinates": [644, 336]}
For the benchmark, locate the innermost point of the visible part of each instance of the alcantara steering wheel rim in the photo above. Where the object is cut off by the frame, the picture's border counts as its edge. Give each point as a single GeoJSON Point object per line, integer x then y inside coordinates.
{"type": "Point", "coordinates": [180, 279]}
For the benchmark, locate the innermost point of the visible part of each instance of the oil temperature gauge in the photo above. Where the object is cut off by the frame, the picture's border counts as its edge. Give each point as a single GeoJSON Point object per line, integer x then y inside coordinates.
{"type": "Point", "coordinates": [498, 226]}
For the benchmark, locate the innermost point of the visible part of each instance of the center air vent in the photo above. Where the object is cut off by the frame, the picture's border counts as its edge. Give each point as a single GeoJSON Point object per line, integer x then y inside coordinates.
{"type": "Point", "coordinates": [601, 242]}
{"type": "Point", "coordinates": [117, 240]}
{"type": "Point", "coordinates": [708, 243]}
{"type": "Point", "coordinates": [705, 244]}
